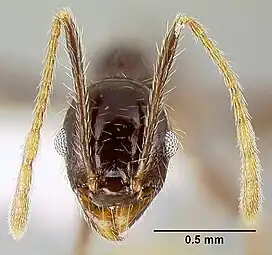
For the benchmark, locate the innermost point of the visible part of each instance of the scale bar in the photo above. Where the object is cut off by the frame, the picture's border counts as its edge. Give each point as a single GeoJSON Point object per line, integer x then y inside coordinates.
{"type": "Point", "coordinates": [205, 230]}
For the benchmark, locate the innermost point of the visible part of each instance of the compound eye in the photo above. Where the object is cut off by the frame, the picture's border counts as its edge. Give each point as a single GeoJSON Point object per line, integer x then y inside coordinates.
{"type": "Point", "coordinates": [171, 144]}
{"type": "Point", "coordinates": [60, 143]}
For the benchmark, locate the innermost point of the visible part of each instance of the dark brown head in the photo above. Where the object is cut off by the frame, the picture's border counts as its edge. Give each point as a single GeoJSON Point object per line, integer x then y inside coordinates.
{"type": "Point", "coordinates": [116, 117]}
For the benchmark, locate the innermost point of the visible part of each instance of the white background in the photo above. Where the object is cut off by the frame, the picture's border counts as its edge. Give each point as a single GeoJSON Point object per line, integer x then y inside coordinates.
{"type": "Point", "coordinates": [202, 189]}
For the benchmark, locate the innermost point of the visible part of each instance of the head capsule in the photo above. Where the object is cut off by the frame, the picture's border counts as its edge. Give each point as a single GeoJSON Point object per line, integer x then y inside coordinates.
{"type": "Point", "coordinates": [117, 109]}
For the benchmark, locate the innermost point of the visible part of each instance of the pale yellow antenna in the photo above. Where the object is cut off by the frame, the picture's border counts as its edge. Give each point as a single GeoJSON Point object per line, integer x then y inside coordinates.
{"type": "Point", "coordinates": [251, 190]}
{"type": "Point", "coordinates": [20, 204]}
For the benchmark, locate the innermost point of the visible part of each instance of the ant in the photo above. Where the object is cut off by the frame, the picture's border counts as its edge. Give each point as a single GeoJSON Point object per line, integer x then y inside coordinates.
{"type": "Point", "coordinates": [117, 138]}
